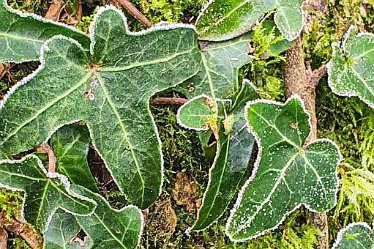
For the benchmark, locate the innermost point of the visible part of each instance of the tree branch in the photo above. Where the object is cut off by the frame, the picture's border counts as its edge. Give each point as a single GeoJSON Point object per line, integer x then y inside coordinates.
{"type": "Point", "coordinates": [168, 101]}
{"type": "Point", "coordinates": [135, 13]}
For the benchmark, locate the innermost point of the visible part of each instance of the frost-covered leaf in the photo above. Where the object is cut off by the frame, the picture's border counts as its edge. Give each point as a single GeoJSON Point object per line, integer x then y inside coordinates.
{"type": "Point", "coordinates": [226, 19]}
{"type": "Point", "coordinates": [22, 35]}
{"type": "Point", "coordinates": [110, 228]}
{"type": "Point", "coordinates": [287, 172]}
{"type": "Point", "coordinates": [351, 67]}
{"type": "Point", "coordinates": [355, 236]}
{"type": "Point", "coordinates": [62, 233]}
{"type": "Point", "coordinates": [219, 73]}
{"type": "Point", "coordinates": [198, 113]}
{"type": "Point", "coordinates": [70, 146]}
{"type": "Point", "coordinates": [110, 91]}
{"type": "Point", "coordinates": [234, 149]}
{"type": "Point", "coordinates": [44, 192]}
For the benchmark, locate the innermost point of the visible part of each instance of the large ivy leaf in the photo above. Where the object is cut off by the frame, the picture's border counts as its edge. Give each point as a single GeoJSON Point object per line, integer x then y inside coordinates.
{"type": "Point", "coordinates": [355, 236]}
{"type": "Point", "coordinates": [109, 90]}
{"type": "Point", "coordinates": [70, 146]}
{"type": "Point", "coordinates": [234, 149]}
{"type": "Point", "coordinates": [22, 35]}
{"type": "Point", "coordinates": [350, 69]}
{"type": "Point", "coordinates": [219, 73]}
{"type": "Point", "coordinates": [226, 19]}
{"type": "Point", "coordinates": [44, 192]}
{"type": "Point", "coordinates": [287, 172]}
{"type": "Point", "coordinates": [62, 233]}
{"type": "Point", "coordinates": [110, 228]}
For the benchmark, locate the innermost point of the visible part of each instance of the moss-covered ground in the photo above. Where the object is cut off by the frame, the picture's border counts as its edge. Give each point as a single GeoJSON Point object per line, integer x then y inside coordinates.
{"type": "Point", "coordinates": [347, 121]}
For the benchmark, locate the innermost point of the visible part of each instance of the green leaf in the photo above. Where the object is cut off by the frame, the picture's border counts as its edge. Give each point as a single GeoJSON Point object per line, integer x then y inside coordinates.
{"type": "Point", "coordinates": [62, 231]}
{"type": "Point", "coordinates": [234, 148]}
{"type": "Point", "coordinates": [350, 69]}
{"type": "Point", "coordinates": [356, 235]}
{"type": "Point", "coordinates": [22, 35]}
{"type": "Point", "coordinates": [219, 73]}
{"type": "Point", "coordinates": [287, 172]}
{"type": "Point", "coordinates": [110, 91]}
{"type": "Point", "coordinates": [70, 146]}
{"type": "Point", "coordinates": [199, 113]}
{"type": "Point", "coordinates": [110, 228]}
{"type": "Point", "coordinates": [226, 19]}
{"type": "Point", "coordinates": [44, 192]}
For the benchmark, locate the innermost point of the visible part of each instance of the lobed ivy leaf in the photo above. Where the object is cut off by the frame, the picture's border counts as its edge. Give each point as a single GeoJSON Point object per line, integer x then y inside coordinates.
{"type": "Point", "coordinates": [350, 69]}
{"type": "Point", "coordinates": [226, 19]}
{"type": "Point", "coordinates": [233, 152]}
{"type": "Point", "coordinates": [356, 235]}
{"type": "Point", "coordinates": [62, 233]}
{"type": "Point", "coordinates": [70, 146]}
{"type": "Point", "coordinates": [287, 172]}
{"type": "Point", "coordinates": [109, 89]}
{"type": "Point", "coordinates": [110, 228]}
{"type": "Point", "coordinates": [44, 192]}
{"type": "Point", "coordinates": [219, 73]}
{"type": "Point", "coordinates": [22, 35]}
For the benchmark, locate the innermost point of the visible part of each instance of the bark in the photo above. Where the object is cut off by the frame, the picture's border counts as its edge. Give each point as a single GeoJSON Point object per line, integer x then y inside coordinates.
{"type": "Point", "coordinates": [303, 81]}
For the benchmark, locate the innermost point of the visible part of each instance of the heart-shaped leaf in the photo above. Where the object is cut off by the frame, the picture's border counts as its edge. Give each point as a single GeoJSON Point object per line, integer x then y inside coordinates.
{"type": "Point", "coordinates": [287, 172]}
{"type": "Point", "coordinates": [44, 192]}
{"type": "Point", "coordinates": [63, 232]}
{"type": "Point", "coordinates": [350, 69]}
{"type": "Point", "coordinates": [110, 228]}
{"type": "Point", "coordinates": [226, 19]}
{"type": "Point", "coordinates": [70, 146]}
{"type": "Point", "coordinates": [109, 89]}
{"type": "Point", "coordinates": [22, 35]}
{"type": "Point", "coordinates": [356, 235]}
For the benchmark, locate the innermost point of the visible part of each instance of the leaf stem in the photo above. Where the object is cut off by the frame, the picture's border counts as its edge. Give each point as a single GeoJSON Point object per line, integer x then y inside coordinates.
{"type": "Point", "coordinates": [135, 13]}
{"type": "Point", "coordinates": [45, 148]}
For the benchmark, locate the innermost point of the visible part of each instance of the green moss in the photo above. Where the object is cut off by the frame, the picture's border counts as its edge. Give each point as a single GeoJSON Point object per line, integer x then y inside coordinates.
{"type": "Point", "coordinates": [10, 202]}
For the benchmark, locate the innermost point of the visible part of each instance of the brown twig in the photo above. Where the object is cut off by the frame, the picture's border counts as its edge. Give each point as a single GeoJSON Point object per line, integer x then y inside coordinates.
{"type": "Point", "coordinates": [3, 238]}
{"type": "Point", "coordinates": [135, 13]}
{"type": "Point", "coordinates": [54, 10]}
{"type": "Point", "coordinates": [45, 148]}
{"type": "Point", "coordinates": [22, 230]}
{"type": "Point", "coordinates": [168, 101]}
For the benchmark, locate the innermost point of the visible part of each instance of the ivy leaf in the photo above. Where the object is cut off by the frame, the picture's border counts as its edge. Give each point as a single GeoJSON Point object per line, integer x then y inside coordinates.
{"type": "Point", "coordinates": [219, 73]}
{"type": "Point", "coordinates": [287, 172]}
{"type": "Point", "coordinates": [44, 192]}
{"type": "Point", "coordinates": [350, 71]}
{"type": "Point", "coordinates": [234, 148]}
{"type": "Point", "coordinates": [356, 235]}
{"type": "Point", "coordinates": [22, 35]}
{"type": "Point", "coordinates": [70, 146]}
{"type": "Point", "coordinates": [109, 90]}
{"type": "Point", "coordinates": [226, 19]}
{"type": "Point", "coordinates": [62, 231]}
{"type": "Point", "coordinates": [110, 228]}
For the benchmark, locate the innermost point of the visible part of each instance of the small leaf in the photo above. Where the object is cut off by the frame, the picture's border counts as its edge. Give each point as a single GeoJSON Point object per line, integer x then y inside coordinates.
{"type": "Point", "coordinates": [109, 89]}
{"type": "Point", "coordinates": [226, 19]}
{"type": "Point", "coordinates": [22, 35]}
{"type": "Point", "coordinates": [287, 172]}
{"type": "Point", "coordinates": [44, 192]}
{"type": "Point", "coordinates": [198, 113]}
{"type": "Point", "coordinates": [350, 69]}
{"type": "Point", "coordinates": [70, 146]}
{"type": "Point", "coordinates": [110, 228]}
{"type": "Point", "coordinates": [356, 235]}
{"type": "Point", "coordinates": [62, 231]}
